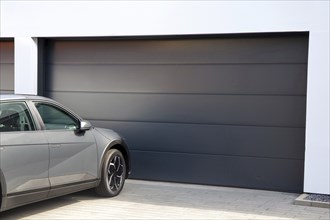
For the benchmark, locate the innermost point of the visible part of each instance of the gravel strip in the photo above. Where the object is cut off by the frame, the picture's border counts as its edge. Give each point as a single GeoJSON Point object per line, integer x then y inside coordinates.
{"type": "Point", "coordinates": [318, 197]}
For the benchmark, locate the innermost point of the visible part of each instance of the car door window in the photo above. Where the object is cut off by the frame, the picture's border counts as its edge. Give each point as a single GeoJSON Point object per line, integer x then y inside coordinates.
{"type": "Point", "coordinates": [55, 118]}
{"type": "Point", "coordinates": [15, 117]}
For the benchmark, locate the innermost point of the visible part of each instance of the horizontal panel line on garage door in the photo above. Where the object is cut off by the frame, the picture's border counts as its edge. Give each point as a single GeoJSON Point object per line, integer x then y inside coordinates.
{"type": "Point", "coordinates": [271, 174]}
{"type": "Point", "coordinates": [167, 63]}
{"type": "Point", "coordinates": [193, 123]}
{"type": "Point", "coordinates": [215, 155]}
{"type": "Point", "coordinates": [6, 91]}
{"type": "Point", "coordinates": [211, 139]}
{"type": "Point", "coordinates": [222, 109]}
{"type": "Point", "coordinates": [168, 93]}
{"type": "Point", "coordinates": [241, 79]}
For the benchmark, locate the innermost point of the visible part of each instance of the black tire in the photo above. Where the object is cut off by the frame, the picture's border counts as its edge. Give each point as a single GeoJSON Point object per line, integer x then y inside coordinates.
{"type": "Point", "coordinates": [113, 174]}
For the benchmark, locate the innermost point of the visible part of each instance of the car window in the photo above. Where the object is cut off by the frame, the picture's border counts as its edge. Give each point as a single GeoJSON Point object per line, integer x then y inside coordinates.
{"type": "Point", "coordinates": [55, 118]}
{"type": "Point", "coordinates": [15, 116]}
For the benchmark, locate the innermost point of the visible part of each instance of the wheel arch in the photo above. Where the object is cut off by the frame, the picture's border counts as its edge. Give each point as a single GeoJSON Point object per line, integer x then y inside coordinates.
{"type": "Point", "coordinates": [122, 147]}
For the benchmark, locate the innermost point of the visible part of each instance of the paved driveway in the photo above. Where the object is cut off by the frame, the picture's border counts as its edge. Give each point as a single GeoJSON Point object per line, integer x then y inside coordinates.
{"type": "Point", "coordinates": [158, 200]}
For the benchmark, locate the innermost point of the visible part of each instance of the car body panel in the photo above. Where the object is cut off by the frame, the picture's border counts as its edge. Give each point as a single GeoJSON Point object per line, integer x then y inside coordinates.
{"type": "Point", "coordinates": [114, 142]}
{"type": "Point", "coordinates": [73, 157]}
{"type": "Point", "coordinates": [29, 169]}
{"type": "Point", "coordinates": [41, 164]}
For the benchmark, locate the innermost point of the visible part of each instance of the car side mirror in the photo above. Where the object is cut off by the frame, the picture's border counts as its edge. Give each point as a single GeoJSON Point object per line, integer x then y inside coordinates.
{"type": "Point", "coordinates": [85, 125]}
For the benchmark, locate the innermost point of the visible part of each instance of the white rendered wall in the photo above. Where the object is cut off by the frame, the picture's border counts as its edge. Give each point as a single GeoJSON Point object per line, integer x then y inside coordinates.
{"type": "Point", "coordinates": [132, 18]}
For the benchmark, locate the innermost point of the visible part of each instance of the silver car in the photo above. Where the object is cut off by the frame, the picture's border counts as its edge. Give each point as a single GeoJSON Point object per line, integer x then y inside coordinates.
{"type": "Point", "coordinates": [46, 150]}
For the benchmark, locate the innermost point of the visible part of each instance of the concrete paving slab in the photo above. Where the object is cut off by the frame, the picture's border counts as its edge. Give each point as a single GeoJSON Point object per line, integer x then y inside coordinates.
{"type": "Point", "coordinates": [160, 200]}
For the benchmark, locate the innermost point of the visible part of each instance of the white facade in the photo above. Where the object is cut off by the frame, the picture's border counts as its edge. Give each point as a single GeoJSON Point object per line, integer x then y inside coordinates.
{"type": "Point", "coordinates": [27, 20]}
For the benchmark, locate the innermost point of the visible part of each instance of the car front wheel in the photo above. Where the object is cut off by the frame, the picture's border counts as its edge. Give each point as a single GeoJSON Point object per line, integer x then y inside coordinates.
{"type": "Point", "coordinates": [113, 174]}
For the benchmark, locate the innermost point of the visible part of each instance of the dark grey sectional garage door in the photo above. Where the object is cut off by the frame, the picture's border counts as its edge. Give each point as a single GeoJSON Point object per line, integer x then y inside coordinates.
{"type": "Point", "coordinates": [6, 66]}
{"type": "Point", "coordinates": [220, 110]}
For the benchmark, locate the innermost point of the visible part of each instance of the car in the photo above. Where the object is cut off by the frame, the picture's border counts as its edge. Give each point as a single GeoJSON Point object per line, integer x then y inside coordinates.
{"type": "Point", "coordinates": [46, 150]}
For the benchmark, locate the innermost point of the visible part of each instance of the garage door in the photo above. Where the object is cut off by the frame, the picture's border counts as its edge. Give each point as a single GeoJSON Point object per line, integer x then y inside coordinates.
{"type": "Point", "coordinates": [6, 66]}
{"type": "Point", "coordinates": [219, 110]}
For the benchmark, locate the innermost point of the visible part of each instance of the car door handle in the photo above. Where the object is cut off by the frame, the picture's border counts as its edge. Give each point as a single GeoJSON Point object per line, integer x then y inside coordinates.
{"type": "Point", "coordinates": [55, 145]}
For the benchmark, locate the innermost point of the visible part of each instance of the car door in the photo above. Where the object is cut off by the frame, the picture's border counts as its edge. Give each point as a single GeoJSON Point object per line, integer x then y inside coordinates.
{"type": "Point", "coordinates": [73, 155]}
{"type": "Point", "coordinates": [24, 154]}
